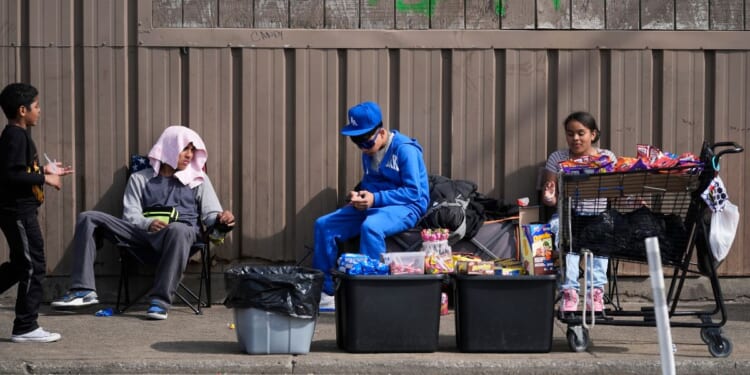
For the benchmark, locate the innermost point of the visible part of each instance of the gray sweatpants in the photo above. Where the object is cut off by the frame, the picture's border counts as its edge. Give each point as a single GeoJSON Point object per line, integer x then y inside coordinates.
{"type": "Point", "coordinates": [171, 246]}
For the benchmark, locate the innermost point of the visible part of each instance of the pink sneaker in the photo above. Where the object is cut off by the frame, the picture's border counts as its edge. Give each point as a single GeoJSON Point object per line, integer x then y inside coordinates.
{"type": "Point", "coordinates": [569, 300]}
{"type": "Point", "coordinates": [598, 304]}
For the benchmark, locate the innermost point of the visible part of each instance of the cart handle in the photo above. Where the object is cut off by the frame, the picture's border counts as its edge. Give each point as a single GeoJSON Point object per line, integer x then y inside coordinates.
{"type": "Point", "coordinates": [734, 150]}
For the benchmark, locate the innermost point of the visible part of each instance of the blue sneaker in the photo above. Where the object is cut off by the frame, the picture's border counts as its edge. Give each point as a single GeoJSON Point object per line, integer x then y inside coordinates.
{"type": "Point", "coordinates": [156, 312]}
{"type": "Point", "coordinates": [76, 298]}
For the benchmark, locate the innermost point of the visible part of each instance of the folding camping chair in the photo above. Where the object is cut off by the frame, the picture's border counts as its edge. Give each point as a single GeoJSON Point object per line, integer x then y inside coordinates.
{"type": "Point", "coordinates": [131, 256]}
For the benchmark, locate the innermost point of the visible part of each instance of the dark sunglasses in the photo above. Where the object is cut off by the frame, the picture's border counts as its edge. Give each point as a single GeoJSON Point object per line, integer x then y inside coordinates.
{"type": "Point", "coordinates": [367, 140]}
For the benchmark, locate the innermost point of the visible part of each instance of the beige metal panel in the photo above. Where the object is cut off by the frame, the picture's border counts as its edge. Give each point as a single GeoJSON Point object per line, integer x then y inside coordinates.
{"type": "Point", "coordinates": [104, 23]}
{"type": "Point", "coordinates": [683, 101]}
{"type": "Point", "coordinates": [657, 14]}
{"type": "Point", "coordinates": [272, 14]}
{"type": "Point", "coordinates": [307, 14]}
{"type": "Point", "coordinates": [588, 15]}
{"type": "Point", "coordinates": [578, 88]}
{"type": "Point", "coordinates": [52, 23]}
{"type": "Point", "coordinates": [448, 14]}
{"type": "Point", "coordinates": [519, 15]}
{"type": "Point", "coordinates": [727, 15]}
{"type": "Point", "coordinates": [51, 72]}
{"type": "Point", "coordinates": [550, 17]}
{"type": "Point", "coordinates": [444, 39]}
{"type": "Point", "coordinates": [342, 14]}
{"type": "Point", "coordinates": [691, 15]}
{"type": "Point", "coordinates": [211, 113]}
{"type": "Point", "coordinates": [9, 65]}
{"type": "Point", "coordinates": [106, 120]}
{"type": "Point", "coordinates": [482, 14]}
{"type": "Point", "coordinates": [731, 122]}
{"type": "Point", "coordinates": [166, 13]}
{"type": "Point", "coordinates": [368, 77]}
{"type": "Point", "coordinates": [200, 13]}
{"type": "Point", "coordinates": [377, 15]}
{"type": "Point", "coordinates": [420, 102]}
{"type": "Point", "coordinates": [631, 101]}
{"type": "Point", "coordinates": [160, 94]}
{"type": "Point", "coordinates": [10, 23]}
{"type": "Point", "coordinates": [101, 167]}
{"type": "Point", "coordinates": [318, 118]}
{"type": "Point", "coordinates": [473, 126]}
{"type": "Point", "coordinates": [236, 13]}
{"type": "Point", "coordinates": [263, 216]}
{"type": "Point", "coordinates": [623, 14]}
{"type": "Point", "coordinates": [526, 121]}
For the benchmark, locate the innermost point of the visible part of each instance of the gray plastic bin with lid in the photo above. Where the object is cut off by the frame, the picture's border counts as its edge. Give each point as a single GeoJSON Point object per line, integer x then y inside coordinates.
{"type": "Point", "coordinates": [275, 307]}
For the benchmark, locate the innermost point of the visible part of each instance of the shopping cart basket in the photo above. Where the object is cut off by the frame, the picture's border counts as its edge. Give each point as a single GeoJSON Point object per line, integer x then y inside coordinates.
{"type": "Point", "coordinates": [611, 214]}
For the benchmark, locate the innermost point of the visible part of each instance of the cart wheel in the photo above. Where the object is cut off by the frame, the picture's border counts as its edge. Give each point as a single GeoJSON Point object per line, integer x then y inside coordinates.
{"type": "Point", "coordinates": [720, 349]}
{"type": "Point", "coordinates": [707, 334]}
{"type": "Point", "coordinates": [578, 338]}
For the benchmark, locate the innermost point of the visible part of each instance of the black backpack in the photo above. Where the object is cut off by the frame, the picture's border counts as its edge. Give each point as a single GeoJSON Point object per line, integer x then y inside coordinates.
{"type": "Point", "coordinates": [450, 207]}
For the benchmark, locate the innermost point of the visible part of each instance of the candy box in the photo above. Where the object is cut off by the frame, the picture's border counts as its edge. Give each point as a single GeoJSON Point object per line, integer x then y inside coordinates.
{"type": "Point", "coordinates": [473, 267]}
{"type": "Point", "coordinates": [537, 249]}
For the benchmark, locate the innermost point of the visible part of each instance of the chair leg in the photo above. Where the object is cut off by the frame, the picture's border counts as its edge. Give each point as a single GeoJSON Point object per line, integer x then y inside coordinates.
{"type": "Point", "coordinates": [206, 273]}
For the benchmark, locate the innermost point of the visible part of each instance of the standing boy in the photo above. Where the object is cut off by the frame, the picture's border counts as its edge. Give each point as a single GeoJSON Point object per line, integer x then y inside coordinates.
{"type": "Point", "coordinates": [21, 193]}
{"type": "Point", "coordinates": [392, 196]}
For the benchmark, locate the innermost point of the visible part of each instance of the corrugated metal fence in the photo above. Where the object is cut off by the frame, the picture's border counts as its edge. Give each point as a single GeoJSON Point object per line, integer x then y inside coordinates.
{"type": "Point", "coordinates": [483, 96]}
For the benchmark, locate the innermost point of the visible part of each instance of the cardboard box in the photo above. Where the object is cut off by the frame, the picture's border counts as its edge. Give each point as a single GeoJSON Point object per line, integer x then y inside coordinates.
{"type": "Point", "coordinates": [537, 249]}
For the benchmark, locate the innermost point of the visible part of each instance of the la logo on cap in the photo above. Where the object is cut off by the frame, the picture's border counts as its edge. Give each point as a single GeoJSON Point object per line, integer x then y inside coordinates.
{"type": "Point", "coordinates": [353, 121]}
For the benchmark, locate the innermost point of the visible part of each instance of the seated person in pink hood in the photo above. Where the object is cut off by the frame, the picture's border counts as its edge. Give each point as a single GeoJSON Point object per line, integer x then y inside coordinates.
{"type": "Point", "coordinates": [175, 179]}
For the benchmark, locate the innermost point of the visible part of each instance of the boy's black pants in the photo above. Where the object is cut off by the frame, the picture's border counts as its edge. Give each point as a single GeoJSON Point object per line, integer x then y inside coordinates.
{"type": "Point", "coordinates": [26, 267]}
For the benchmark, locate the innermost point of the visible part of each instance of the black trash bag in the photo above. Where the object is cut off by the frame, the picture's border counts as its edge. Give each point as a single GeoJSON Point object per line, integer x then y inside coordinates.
{"type": "Point", "coordinates": [599, 233]}
{"type": "Point", "coordinates": [642, 223]}
{"type": "Point", "coordinates": [291, 290]}
{"type": "Point", "coordinates": [673, 242]}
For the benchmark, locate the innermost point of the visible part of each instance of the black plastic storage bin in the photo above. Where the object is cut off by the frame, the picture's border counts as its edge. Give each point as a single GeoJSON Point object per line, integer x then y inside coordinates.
{"type": "Point", "coordinates": [504, 313]}
{"type": "Point", "coordinates": [388, 313]}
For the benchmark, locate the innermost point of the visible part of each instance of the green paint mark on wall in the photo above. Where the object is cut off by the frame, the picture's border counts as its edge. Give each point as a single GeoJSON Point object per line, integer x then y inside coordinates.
{"type": "Point", "coordinates": [419, 6]}
{"type": "Point", "coordinates": [427, 7]}
{"type": "Point", "coordinates": [500, 7]}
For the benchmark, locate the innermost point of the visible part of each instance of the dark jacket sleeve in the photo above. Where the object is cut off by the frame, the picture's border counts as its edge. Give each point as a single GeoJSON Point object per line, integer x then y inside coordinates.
{"type": "Point", "coordinates": [16, 158]}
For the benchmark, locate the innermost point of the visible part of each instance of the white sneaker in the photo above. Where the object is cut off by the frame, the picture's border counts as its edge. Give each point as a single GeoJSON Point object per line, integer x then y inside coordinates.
{"type": "Point", "coordinates": [327, 303]}
{"type": "Point", "coordinates": [37, 335]}
{"type": "Point", "coordinates": [76, 298]}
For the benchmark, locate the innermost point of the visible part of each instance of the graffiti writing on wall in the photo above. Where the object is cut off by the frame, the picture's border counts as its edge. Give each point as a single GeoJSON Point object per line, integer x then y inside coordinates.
{"type": "Point", "coordinates": [426, 7]}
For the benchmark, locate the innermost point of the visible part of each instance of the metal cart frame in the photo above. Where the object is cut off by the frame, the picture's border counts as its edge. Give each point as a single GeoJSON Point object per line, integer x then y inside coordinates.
{"type": "Point", "coordinates": [668, 193]}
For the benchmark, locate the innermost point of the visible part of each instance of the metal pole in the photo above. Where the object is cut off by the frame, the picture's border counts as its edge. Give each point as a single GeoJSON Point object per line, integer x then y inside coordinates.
{"type": "Point", "coordinates": [660, 306]}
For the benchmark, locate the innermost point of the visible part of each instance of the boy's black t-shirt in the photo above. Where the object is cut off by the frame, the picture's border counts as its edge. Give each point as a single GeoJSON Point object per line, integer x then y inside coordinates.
{"type": "Point", "coordinates": [21, 176]}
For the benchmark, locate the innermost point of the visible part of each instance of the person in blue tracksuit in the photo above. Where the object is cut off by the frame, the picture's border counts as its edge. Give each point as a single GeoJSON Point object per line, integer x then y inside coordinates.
{"type": "Point", "coordinates": [392, 196]}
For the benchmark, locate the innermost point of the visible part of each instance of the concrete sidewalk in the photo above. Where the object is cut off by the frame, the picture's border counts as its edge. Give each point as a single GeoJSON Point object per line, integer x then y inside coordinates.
{"type": "Point", "coordinates": [186, 343]}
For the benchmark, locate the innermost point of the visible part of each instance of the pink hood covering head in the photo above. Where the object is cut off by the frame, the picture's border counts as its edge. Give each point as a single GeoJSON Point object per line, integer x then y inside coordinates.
{"type": "Point", "coordinates": [167, 149]}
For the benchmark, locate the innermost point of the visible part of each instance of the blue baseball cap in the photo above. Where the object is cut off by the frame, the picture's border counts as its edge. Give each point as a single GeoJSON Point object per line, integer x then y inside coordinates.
{"type": "Point", "coordinates": [363, 117]}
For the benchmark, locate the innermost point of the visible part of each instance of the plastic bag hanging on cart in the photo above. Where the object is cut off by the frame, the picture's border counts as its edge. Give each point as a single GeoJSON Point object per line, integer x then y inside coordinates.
{"type": "Point", "coordinates": [723, 229]}
{"type": "Point", "coordinates": [724, 219]}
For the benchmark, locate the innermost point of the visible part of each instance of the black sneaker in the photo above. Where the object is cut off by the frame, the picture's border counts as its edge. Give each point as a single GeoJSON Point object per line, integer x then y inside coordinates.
{"type": "Point", "coordinates": [76, 298]}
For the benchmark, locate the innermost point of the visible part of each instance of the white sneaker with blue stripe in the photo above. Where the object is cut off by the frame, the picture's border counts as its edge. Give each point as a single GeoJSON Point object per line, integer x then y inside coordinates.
{"type": "Point", "coordinates": [76, 298]}
{"type": "Point", "coordinates": [156, 312]}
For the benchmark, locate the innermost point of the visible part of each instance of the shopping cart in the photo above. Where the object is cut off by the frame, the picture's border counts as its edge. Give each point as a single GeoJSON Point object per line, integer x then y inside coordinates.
{"type": "Point", "coordinates": [611, 214]}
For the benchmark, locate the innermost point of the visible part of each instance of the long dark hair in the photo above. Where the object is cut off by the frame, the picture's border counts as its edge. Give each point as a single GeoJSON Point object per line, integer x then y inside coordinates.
{"type": "Point", "coordinates": [586, 119]}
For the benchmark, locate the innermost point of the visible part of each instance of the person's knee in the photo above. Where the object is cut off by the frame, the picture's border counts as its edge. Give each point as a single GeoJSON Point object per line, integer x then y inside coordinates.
{"type": "Point", "coordinates": [370, 229]}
